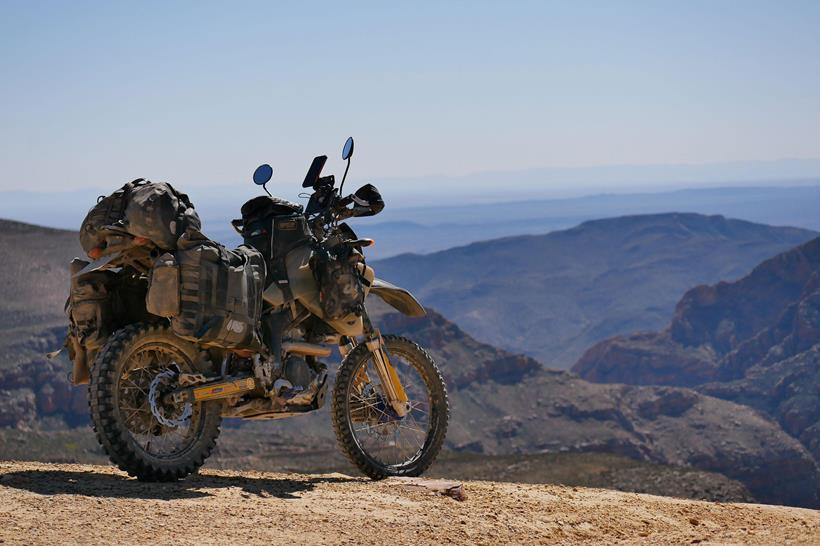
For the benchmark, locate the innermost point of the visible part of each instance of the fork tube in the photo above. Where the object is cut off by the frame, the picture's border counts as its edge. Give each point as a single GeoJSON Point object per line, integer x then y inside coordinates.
{"type": "Point", "coordinates": [387, 375]}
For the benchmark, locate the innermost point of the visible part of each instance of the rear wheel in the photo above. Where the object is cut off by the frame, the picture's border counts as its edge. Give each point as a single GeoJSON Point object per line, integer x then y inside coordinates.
{"type": "Point", "coordinates": [150, 438]}
{"type": "Point", "coordinates": [376, 440]}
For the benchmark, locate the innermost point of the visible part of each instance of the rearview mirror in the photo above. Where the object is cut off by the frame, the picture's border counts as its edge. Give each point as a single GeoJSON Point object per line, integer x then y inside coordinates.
{"type": "Point", "coordinates": [347, 151]}
{"type": "Point", "coordinates": [262, 174]}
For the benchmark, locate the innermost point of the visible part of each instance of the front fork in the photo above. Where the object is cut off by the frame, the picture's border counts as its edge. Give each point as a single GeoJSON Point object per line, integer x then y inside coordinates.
{"type": "Point", "coordinates": [389, 379]}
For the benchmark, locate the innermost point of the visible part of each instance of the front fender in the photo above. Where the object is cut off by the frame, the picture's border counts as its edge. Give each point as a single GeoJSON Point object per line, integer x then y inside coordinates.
{"type": "Point", "coordinates": [398, 298]}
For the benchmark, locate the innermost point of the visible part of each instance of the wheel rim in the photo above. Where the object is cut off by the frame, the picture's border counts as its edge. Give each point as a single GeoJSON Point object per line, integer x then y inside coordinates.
{"type": "Point", "coordinates": [139, 370]}
{"type": "Point", "coordinates": [379, 433]}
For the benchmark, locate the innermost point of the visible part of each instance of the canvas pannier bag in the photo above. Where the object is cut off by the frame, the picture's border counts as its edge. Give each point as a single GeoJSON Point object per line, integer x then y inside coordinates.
{"type": "Point", "coordinates": [220, 296]}
{"type": "Point", "coordinates": [153, 210]}
{"type": "Point", "coordinates": [162, 298]}
{"type": "Point", "coordinates": [99, 303]}
{"type": "Point", "coordinates": [90, 305]}
{"type": "Point", "coordinates": [89, 310]}
{"type": "Point", "coordinates": [341, 285]}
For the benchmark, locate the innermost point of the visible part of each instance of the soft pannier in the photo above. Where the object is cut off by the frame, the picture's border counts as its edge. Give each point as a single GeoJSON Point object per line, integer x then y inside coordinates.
{"type": "Point", "coordinates": [341, 284]}
{"type": "Point", "coordinates": [220, 296]}
{"type": "Point", "coordinates": [90, 305]}
{"type": "Point", "coordinates": [152, 210]}
{"type": "Point", "coordinates": [163, 287]}
{"type": "Point", "coordinates": [89, 310]}
{"type": "Point", "coordinates": [99, 303]}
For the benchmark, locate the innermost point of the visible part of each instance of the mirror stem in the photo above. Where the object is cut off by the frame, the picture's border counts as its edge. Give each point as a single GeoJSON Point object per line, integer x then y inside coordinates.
{"type": "Point", "coordinates": [342, 185]}
{"type": "Point", "coordinates": [265, 187]}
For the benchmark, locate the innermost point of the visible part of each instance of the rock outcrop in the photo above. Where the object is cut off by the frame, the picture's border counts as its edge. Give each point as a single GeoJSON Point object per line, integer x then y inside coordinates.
{"type": "Point", "coordinates": [40, 389]}
{"type": "Point", "coordinates": [557, 411]}
{"type": "Point", "coordinates": [755, 341]}
{"type": "Point", "coordinates": [788, 390]}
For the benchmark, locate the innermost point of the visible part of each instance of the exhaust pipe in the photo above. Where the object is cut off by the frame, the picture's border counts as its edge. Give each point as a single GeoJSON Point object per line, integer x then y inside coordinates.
{"type": "Point", "coordinates": [309, 349]}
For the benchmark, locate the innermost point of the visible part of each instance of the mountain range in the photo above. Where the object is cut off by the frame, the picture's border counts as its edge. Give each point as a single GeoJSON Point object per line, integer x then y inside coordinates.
{"type": "Point", "coordinates": [552, 296]}
{"type": "Point", "coordinates": [33, 288]}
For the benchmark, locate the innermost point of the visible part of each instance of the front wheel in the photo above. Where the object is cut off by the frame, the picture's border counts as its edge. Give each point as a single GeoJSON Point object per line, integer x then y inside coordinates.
{"type": "Point", "coordinates": [376, 440]}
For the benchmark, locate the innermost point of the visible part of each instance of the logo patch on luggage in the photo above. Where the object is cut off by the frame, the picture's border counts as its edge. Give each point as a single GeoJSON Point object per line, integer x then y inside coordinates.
{"type": "Point", "coordinates": [235, 326]}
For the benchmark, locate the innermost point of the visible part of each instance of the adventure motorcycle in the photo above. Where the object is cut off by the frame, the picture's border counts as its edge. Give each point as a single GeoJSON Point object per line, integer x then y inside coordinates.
{"type": "Point", "coordinates": [158, 391]}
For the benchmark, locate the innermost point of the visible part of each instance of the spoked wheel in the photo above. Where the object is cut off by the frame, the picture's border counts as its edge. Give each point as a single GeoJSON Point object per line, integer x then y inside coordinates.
{"type": "Point", "coordinates": [143, 433]}
{"type": "Point", "coordinates": [370, 432]}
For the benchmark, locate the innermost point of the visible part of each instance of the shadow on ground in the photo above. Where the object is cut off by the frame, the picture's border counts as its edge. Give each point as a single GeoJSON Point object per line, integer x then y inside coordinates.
{"type": "Point", "coordinates": [92, 484]}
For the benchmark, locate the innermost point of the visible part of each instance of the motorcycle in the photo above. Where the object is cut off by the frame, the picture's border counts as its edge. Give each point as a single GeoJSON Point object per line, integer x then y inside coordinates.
{"type": "Point", "coordinates": [157, 400]}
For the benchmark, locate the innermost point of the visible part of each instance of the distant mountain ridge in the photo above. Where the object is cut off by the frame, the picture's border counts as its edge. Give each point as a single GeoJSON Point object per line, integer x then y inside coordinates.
{"type": "Point", "coordinates": [448, 223]}
{"type": "Point", "coordinates": [552, 296]}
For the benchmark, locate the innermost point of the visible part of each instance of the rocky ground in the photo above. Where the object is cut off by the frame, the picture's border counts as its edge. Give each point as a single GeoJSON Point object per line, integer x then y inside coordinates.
{"type": "Point", "coordinates": [262, 449]}
{"type": "Point", "coordinates": [42, 503]}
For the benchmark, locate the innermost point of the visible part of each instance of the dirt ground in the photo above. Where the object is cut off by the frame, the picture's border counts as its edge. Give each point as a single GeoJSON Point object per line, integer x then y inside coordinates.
{"type": "Point", "coordinates": [66, 503]}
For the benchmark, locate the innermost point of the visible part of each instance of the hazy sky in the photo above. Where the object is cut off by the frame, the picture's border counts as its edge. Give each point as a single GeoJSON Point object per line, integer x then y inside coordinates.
{"type": "Point", "coordinates": [94, 94]}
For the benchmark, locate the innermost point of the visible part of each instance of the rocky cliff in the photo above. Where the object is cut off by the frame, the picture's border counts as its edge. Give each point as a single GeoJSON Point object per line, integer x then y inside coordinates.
{"type": "Point", "coordinates": [755, 341]}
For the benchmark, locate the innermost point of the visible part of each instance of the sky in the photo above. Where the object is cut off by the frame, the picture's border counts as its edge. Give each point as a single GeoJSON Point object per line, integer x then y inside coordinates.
{"type": "Point", "coordinates": [199, 93]}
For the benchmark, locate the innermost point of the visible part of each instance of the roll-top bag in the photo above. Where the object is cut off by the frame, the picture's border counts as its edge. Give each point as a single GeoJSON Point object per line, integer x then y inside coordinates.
{"type": "Point", "coordinates": [151, 210]}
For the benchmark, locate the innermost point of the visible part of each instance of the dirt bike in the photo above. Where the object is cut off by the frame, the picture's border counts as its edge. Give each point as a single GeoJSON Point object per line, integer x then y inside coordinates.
{"type": "Point", "coordinates": [157, 399]}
